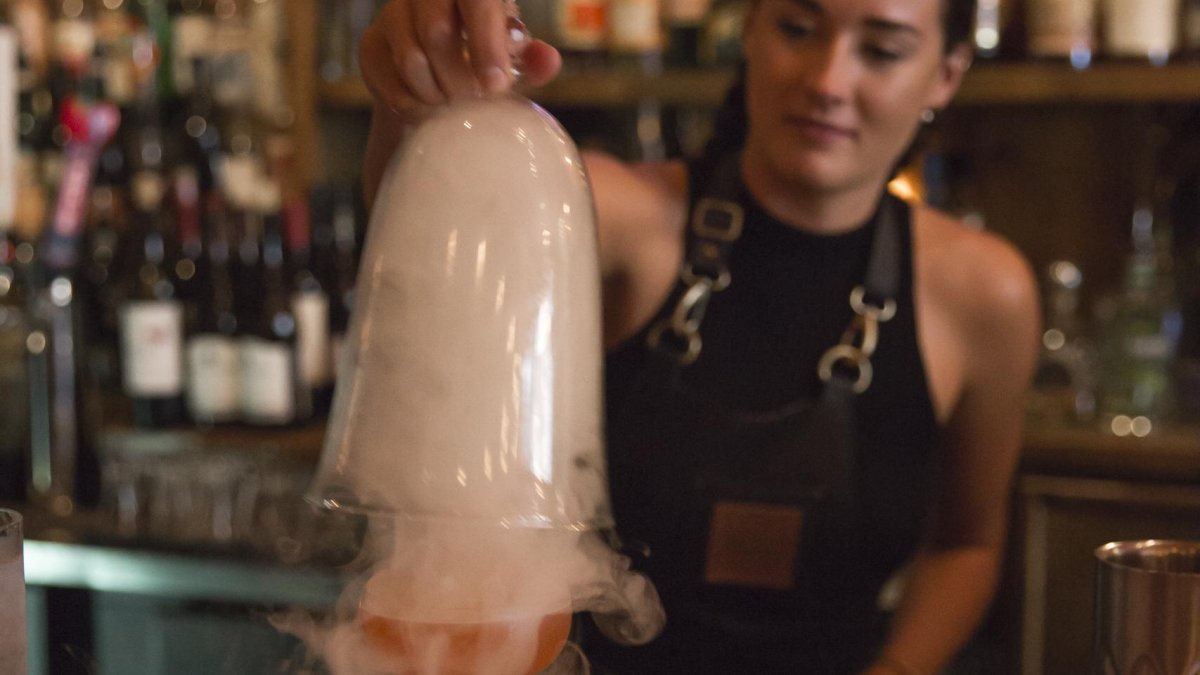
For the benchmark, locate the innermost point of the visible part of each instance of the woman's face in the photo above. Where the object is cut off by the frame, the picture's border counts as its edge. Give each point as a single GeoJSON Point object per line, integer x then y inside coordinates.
{"type": "Point", "coordinates": [835, 88]}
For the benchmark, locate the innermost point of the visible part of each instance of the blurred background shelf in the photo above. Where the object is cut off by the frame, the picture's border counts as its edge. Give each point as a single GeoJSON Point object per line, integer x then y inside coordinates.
{"type": "Point", "coordinates": [986, 84]}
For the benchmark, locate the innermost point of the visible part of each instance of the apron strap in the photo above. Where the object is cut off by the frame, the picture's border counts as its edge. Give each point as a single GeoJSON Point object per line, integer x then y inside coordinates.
{"type": "Point", "coordinates": [715, 224]}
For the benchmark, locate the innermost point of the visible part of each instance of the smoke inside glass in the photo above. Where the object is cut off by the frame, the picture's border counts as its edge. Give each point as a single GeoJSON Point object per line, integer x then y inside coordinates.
{"type": "Point", "coordinates": [467, 423]}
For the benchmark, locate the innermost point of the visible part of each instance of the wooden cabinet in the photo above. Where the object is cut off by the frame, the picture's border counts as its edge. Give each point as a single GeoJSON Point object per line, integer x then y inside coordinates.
{"type": "Point", "coordinates": [1063, 520]}
{"type": "Point", "coordinates": [1080, 489]}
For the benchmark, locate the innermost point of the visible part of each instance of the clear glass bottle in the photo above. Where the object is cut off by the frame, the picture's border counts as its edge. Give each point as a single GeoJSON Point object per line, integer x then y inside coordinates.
{"type": "Point", "coordinates": [1064, 385]}
{"type": "Point", "coordinates": [1141, 29]}
{"type": "Point", "coordinates": [1140, 330]}
{"type": "Point", "coordinates": [271, 395]}
{"type": "Point", "coordinates": [1061, 29]}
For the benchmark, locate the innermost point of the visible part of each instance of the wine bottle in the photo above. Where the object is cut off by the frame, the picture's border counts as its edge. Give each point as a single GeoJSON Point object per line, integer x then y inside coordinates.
{"type": "Point", "coordinates": [151, 320]}
{"type": "Point", "coordinates": [270, 392]}
{"type": "Point", "coordinates": [213, 366]}
{"type": "Point", "coordinates": [310, 306]}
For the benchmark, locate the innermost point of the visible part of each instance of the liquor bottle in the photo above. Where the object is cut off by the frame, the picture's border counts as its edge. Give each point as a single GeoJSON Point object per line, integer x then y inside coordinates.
{"type": "Point", "coordinates": [989, 28]}
{"type": "Point", "coordinates": [635, 39]}
{"type": "Point", "coordinates": [1140, 332]}
{"type": "Point", "coordinates": [151, 320]}
{"type": "Point", "coordinates": [14, 328]}
{"type": "Point", "coordinates": [309, 300]}
{"type": "Point", "coordinates": [579, 30]}
{"type": "Point", "coordinates": [233, 74]}
{"type": "Point", "coordinates": [14, 375]}
{"type": "Point", "coordinates": [1141, 29]}
{"type": "Point", "coordinates": [105, 275]}
{"type": "Point", "coordinates": [1061, 29]}
{"type": "Point", "coordinates": [155, 19]}
{"type": "Point", "coordinates": [270, 392]}
{"type": "Point", "coordinates": [721, 34]}
{"type": "Point", "coordinates": [73, 36]}
{"type": "Point", "coordinates": [1191, 28]}
{"type": "Point", "coordinates": [31, 20]}
{"type": "Point", "coordinates": [187, 262]}
{"type": "Point", "coordinates": [684, 19]}
{"type": "Point", "coordinates": [114, 31]}
{"type": "Point", "coordinates": [197, 129]}
{"type": "Point", "coordinates": [343, 230]}
{"type": "Point", "coordinates": [213, 360]}
{"type": "Point", "coordinates": [88, 124]}
{"type": "Point", "coordinates": [192, 32]}
{"type": "Point", "coordinates": [1064, 386]}
{"type": "Point", "coordinates": [267, 63]}
{"type": "Point", "coordinates": [336, 42]}
{"type": "Point", "coordinates": [105, 282]}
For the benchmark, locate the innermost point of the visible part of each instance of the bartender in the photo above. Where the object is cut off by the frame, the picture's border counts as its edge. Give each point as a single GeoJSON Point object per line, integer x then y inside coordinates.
{"type": "Point", "coordinates": [814, 389]}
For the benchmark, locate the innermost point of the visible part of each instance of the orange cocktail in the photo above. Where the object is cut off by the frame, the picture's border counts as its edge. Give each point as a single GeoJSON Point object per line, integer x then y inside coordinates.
{"type": "Point", "coordinates": [510, 645]}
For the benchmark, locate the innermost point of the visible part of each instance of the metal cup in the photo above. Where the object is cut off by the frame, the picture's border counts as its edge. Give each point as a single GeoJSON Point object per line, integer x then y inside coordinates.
{"type": "Point", "coordinates": [12, 594]}
{"type": "Point", "coordinates": [1148, 608]}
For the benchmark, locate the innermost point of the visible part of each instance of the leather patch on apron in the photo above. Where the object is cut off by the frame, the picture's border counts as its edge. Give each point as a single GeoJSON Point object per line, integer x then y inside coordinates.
{"type": "Point", "coordinates": [753, 545]}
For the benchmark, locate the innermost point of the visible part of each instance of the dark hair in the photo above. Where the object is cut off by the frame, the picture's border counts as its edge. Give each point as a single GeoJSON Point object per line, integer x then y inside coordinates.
{"type": "Point", "coordinates": [730, 124]}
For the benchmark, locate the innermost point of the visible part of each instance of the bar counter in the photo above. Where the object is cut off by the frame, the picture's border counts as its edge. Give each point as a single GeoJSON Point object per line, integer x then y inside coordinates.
{"type": "Point", "coordinates": [1172, 455]}
{"type": "Point", "coordinates": [1077, 489]}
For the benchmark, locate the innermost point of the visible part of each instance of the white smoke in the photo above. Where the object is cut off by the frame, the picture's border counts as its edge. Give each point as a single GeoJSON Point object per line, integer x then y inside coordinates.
{"type": "Point", "coordinates": [468, 415]}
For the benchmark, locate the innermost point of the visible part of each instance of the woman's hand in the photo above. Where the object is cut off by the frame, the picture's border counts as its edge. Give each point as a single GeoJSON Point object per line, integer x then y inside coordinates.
{"type": "Point", "coordinates": [420, 53]}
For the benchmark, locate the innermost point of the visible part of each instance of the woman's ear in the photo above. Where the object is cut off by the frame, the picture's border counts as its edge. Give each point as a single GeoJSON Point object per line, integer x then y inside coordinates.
{"type": "Point", "coordinates": [953, 68]}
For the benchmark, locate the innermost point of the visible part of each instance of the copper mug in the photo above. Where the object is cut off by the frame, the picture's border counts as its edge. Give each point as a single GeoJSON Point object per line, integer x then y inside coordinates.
{"type": "Point", "coordinates": [1148, 608]}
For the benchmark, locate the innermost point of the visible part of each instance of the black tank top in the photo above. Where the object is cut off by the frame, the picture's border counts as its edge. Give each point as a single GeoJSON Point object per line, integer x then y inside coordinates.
{"type": "Point", "coordinates": [762, 339]}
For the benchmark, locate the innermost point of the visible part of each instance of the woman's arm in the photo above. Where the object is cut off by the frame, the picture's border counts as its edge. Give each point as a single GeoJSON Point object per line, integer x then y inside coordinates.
{"type": "Point", "coordinates": [954, 577]}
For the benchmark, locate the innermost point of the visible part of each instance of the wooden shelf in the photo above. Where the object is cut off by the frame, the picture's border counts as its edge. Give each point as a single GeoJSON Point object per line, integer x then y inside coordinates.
{"type": "Point", "coordinates": [589, 89]}
{"type": "Point", "coordinates": [1171, 454]}
{"type": "Point", "coordinates": [1058, 83]}
{"type": "Point", "coordinates": [986, 84]}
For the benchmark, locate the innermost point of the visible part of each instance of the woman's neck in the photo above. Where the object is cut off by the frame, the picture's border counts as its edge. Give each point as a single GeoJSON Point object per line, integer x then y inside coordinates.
{"type": "Point", "coordinates": [809, 209]}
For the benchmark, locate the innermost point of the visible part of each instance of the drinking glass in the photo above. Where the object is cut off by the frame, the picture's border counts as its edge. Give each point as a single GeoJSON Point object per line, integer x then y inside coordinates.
{"type": "Point", "coordinates": [1147, 608]}
{"type": "Point", "coordinates": [12, 595]}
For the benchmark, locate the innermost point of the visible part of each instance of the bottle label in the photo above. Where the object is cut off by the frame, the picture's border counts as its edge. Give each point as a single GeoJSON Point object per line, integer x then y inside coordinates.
{"type": "Point", "coordinates": [1142, 28]}
{"type": "Point", "coordinates": [311, 309]}
{"type": "Point", "coordinates": [213, 387]}
{"type": "Point", "coordinates": [74, 41]}
{"type": "Point", "coordinates": [685, 12]}
{"type": "Point", "coordinates": [1060, 27]}
{"type": "Point", "coordinates": [633, 27]}
{"type": "Point", "coordinates": [267, 381]}
{"type": "Point", "coordinates": [192, 36]}
{"type": "Point", "coordinates": [582, 24]}
{"type": "Point", "coordinates": [152, 348]}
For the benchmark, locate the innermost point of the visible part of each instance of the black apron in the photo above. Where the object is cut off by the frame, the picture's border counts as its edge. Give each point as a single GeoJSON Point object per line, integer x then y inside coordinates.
{"type": "Point", "coordinates": [757, 530]}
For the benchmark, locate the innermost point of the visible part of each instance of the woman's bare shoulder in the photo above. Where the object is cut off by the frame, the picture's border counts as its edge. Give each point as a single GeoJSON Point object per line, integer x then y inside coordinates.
{"type": "Point", "coordinates": [641, 210]}
{"type": "Point", "coordinates": [979, 274]}
{"type": "Point", "coordinates": [636, 202]}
